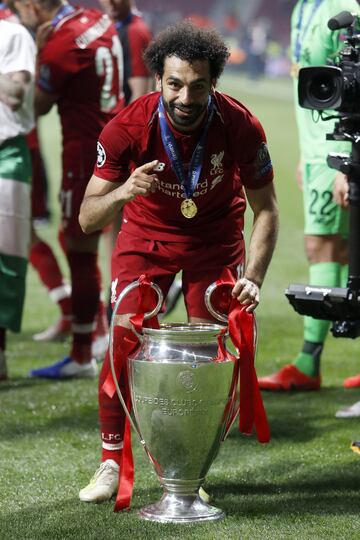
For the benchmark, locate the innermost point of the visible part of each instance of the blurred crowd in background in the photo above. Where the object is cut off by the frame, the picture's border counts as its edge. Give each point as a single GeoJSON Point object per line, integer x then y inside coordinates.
{"type": "Point", "coordinates": [256, 31]}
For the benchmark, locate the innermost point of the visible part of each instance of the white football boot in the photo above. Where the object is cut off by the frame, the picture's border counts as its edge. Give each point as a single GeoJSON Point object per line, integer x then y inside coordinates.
{"type": "Point", "coordinates": [99, 346]}
{"type": "Point", "coordinates": [58, 331]}
{"type": "Point", "coordinates": [103, 485]}
{"type": "Point", "coordinates": [349, 412]}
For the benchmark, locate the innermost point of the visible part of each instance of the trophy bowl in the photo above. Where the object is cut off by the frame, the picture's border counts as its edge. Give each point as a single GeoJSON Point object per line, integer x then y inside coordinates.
{"type": "Point", "coordinates": [181, 384]}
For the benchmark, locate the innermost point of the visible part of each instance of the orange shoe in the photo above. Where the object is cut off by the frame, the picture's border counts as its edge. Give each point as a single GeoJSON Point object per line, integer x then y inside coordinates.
{"type": "Point", "coordinates": [352, 382]}
{"type": "Point", "coordinates": [289, 378]}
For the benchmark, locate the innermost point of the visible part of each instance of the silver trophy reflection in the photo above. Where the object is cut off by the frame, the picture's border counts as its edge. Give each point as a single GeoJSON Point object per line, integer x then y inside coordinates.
{"type": "Point", "coordinates": [183, 400]}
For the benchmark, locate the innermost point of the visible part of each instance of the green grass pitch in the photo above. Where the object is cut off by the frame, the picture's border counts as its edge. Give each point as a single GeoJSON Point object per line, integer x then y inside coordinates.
{"type": "Point", "coordinates": [303, 485]}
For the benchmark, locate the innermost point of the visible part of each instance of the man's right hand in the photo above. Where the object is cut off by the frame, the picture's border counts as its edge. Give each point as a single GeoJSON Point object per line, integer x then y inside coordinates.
{"type": "Point", "coordinates": [341, 190]}
{"type": "Point", "coordinates": [141, 182]}
{"type": "Point", "coordinates": [298, 176]}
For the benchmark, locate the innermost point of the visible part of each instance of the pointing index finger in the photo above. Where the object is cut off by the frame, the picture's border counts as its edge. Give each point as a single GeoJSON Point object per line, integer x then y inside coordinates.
{"type": "Point", "coordinates": [148, 167]}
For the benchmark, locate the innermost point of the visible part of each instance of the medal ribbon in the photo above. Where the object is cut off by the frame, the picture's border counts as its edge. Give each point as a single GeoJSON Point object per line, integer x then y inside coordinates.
{"type": "Point", "coordinates": [190, 181]}
{"type": "Point", "coordinates": [300, 34]}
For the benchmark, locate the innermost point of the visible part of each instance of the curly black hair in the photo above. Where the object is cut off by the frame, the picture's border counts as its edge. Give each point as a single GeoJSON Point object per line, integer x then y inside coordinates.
{"type": "Point", "coordinates": [189, 43]}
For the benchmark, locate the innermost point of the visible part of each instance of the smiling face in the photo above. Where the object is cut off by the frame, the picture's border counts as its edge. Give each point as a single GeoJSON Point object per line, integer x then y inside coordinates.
{"type": "Point", "coordinates": [185, 89]}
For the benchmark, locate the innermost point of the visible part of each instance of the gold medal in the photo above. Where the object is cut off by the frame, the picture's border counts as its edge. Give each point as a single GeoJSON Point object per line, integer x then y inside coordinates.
{"type": "Point", "coordinates": [188, 208]}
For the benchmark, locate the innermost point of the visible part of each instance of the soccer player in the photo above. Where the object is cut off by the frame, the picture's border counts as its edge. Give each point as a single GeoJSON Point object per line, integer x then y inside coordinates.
{"type": "Point", "coordinates": [41, 255]}
{"type": "Point", "coordinates": [135, 36]}
{"type": "Point", "coordinates": [79, 69]}
{"type": "Point", "coordinates": [341, 196]}
{"type": "Point", "coordinates": [17, 72]}
{"type": "Point", "coordinates": [182, 209]}
{"type": "Point", "coordinates": [313, 44]}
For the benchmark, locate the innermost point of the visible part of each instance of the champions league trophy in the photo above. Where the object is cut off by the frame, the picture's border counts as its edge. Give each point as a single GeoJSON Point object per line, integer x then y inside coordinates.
{"type": "Point", "coordinates": [182, 384]}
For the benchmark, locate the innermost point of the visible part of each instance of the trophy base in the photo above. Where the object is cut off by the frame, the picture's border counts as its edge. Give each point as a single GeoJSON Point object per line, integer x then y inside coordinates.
{"type": "Point", "coordinates": [175, 508]}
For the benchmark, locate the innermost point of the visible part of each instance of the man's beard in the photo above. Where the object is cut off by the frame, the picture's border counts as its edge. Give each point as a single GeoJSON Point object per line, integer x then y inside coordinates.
{"type": "Point", "coordinates": [194, 112]}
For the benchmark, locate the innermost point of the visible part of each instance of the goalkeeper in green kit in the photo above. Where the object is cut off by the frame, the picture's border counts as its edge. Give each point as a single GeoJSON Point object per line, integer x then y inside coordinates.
{"type": "Point", "coordinates": [313, 44]}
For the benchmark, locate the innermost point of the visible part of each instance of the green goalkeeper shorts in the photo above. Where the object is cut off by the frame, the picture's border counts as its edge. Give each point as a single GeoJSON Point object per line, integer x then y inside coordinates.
{"type": "Point", "coordinates": [15, 174]}
{"type": "Point", "coordinates": [322, 214]}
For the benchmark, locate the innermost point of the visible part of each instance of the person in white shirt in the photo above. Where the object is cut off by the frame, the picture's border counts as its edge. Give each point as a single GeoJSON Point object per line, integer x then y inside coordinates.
{"type": "Point", "coordinates": [17, 70]}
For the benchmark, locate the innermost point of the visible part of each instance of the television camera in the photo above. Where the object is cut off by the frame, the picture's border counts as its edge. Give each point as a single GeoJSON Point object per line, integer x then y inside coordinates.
{"type": "Point", "coordinates": [337, 87]}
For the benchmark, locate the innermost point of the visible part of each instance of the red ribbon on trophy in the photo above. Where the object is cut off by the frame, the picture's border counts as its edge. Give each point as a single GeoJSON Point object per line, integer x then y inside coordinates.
{"type": "Point", "coordinates": [242, 329]}
{"type": "Point", "coordinates": [125, 342]}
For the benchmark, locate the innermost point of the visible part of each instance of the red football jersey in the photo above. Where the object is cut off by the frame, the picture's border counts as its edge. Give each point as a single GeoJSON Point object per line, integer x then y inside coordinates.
{"type": "Point", "coordinates": [7, 14]}
{"type": "Point", "coordinates": [235, 155]}
{"type": "Point", "coordinates": [135, 36]}
{"type": "Point", "coordinates": [82, 64]}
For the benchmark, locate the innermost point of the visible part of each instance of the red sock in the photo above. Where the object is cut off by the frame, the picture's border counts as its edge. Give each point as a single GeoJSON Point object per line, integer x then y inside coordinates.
{"type": "Point", "coordinates": [43, 260]}
{"type": "Point", "coordinates": [61, 240]}
{"type": "Point", "coordinates": [102, 325]}
{"type": "Point", "coordinates": [112, 419]}
{"type": "Point", "coordinates": [85, 302]}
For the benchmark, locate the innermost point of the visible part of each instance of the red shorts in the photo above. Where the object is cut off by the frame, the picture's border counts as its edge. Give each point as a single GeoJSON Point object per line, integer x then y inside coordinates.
{"type": "Point", "coordinates": [201, 264]}
{"type": "Point", "coordinates": [77, 170]}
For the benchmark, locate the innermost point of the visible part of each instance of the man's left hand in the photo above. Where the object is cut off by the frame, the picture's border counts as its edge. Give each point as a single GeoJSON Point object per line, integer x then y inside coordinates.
{"type": "Point", "coordinates": [247, 293]}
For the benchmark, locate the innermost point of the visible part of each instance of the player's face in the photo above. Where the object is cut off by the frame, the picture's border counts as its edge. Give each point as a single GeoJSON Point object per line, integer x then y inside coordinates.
{"type": "Point", "coordinates": [28, 13]}
{"type": "Point", "coordinates": [116, 9]}
{"type": "Point", "coordinates": [185, 90]}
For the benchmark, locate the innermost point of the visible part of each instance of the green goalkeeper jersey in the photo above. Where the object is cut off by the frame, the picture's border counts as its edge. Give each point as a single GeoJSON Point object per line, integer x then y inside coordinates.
{"type": "Point", "coordinates": [313, 44]}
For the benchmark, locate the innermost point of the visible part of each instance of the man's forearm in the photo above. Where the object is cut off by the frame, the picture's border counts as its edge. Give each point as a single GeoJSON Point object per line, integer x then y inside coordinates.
{"type": "Point", "coordinates": [139, 86]}
{"type": "Point", "coordinates": [262, 244]}
{"type": "Point", "coordinates": [97, 211]}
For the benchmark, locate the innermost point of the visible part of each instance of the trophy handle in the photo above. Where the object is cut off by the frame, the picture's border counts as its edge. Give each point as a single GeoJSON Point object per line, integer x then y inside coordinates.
{"type": "Point", "coordinates": [147, 315]}
{"type": "Point", "coordinates": [208, 294]}
{"type": "Point", "coordinates": [224, 318]}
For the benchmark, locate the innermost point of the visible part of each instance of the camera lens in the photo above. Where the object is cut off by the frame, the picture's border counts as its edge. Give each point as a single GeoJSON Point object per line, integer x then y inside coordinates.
{"type": "Point", "coordinates": [322, 87]}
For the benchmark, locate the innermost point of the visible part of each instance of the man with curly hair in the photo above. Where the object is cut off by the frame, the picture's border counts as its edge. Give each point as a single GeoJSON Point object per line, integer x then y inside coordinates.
{"type": "Point", "coordinates": [193, 153]}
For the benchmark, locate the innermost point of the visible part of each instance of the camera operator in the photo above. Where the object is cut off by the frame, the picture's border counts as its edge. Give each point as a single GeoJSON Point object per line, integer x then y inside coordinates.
{"type": "Point", "coordinates": [341, 197]}
{"type": "Point", "coordinates": [313, 44]}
